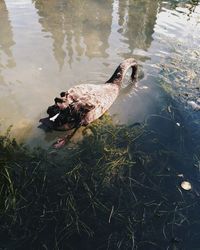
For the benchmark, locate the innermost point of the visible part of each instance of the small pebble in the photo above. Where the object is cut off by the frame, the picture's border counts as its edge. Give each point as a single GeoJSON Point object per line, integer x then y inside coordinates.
{"type": "Point", "coordinates": [186, 185]}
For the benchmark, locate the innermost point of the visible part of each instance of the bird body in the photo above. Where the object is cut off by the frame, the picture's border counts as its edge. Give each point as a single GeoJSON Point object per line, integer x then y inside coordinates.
{"type": "Point", "coordinates": [84, 103]}
{"type": "Point", "coordinates": [99, 97]}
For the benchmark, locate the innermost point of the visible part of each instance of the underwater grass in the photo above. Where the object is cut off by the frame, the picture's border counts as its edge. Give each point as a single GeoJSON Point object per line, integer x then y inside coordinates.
{"type": "Point", "coordinates": [179, 75]}
{"type": "Point", "coordinates": [116, 189]}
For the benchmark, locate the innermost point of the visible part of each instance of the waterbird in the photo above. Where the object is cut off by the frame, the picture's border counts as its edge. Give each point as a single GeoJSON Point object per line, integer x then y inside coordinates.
{"type": "Point", "coordinates": [84, 103]}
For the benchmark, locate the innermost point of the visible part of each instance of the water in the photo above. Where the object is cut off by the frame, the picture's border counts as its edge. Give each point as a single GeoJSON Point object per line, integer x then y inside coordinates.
{"type": "Point", "coordinates": [49, 46]}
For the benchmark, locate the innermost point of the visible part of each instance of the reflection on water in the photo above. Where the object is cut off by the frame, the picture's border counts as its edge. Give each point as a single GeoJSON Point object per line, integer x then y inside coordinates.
{"type": "Point", "coordinates": [83, 29]}
{"type": "Point", "coordinates": [48, 46]}
{"type": "Point", "coordinates": [77, 28]}
{"type": "Point", "coordinates": [137, 29]}
{"type": "Point", "coordinates": [6, 41]}
{"type": "Point", "coordinates": [63, 43]}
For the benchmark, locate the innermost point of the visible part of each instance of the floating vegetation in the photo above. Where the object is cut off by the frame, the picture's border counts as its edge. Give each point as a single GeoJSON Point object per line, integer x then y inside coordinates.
{"type": "Point", "coordinates": [116, 189]}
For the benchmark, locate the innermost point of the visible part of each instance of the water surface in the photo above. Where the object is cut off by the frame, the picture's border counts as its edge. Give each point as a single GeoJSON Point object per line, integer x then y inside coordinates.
{"type": "Point", "coordinates": [49, 46]}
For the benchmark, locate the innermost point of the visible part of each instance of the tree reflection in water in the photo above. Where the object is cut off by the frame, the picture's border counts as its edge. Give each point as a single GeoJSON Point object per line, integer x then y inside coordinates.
{"type": "Point", "coordinates": [6, 41]}
{"type": "Point", "coordinates": [83, 28]}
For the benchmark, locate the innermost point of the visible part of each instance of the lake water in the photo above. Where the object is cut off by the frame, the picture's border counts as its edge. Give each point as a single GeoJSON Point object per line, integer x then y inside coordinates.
{"type": "Point", "coordinates": [48, 46]}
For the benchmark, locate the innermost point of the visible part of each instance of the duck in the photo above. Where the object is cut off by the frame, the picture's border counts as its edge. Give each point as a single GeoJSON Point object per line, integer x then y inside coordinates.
{"type": "Point", "coordinates": [85, 103]}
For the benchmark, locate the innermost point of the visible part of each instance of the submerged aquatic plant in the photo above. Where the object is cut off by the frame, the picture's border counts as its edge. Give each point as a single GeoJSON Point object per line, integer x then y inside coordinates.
{"type": "Point", "coordinates": [180, 74]}
{"type": "Point", "coordinates": [114, 190]}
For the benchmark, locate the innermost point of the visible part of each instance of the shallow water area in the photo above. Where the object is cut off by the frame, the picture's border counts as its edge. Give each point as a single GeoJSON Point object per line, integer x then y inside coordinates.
{"type": "Point", "coordinates": [49, 46]}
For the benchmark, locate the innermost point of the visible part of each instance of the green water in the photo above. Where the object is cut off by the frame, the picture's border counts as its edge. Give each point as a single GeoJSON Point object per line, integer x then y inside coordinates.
{"type": "Point", "coordinates": [47, 47]}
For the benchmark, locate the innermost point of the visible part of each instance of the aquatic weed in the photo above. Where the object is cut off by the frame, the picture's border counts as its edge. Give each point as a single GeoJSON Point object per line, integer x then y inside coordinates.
{"type": "Point", "coordinates": [108, 192]}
